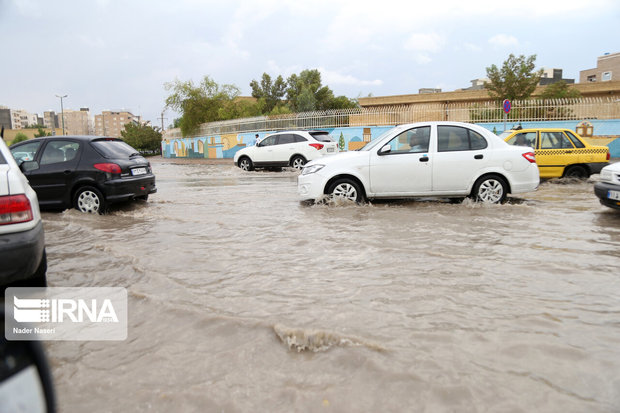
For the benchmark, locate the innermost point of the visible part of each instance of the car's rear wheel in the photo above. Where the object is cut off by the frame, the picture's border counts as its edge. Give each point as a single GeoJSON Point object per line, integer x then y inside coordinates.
{"type": "Point", "coordinates": [89, 199]}
{"type": "Point", "coordinates": [346, 189]}
{"type": "Point", "coordinates": [246, 164]}
{"type": "Point", "coordinates": [490, 190]}
{"type": "Point", "coordinates": [576, 171]}
{"type": "Point", "coordinates": [298, 162]}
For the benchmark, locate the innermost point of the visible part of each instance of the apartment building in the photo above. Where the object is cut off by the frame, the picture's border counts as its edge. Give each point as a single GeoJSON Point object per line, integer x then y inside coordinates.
{"type": "Point", "coordinates": [111, 123]}
{"type": "Point", "coordinates": [76, 122]}
{"type": "Point", "coordinates": [5, 117]}
{"type": "Point", "coordinates": [607, 69]}
{"type": "Point", "coordinates": [17, 118]}
{"type": "Point", "coordinates": [50, 119]}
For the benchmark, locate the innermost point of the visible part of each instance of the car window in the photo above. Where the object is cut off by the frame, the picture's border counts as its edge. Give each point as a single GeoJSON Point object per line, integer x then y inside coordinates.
{"type": "Point", "coordinates": [456, 138]}
{"type": "Point", "coordinates": [59, 151]}
{"type": "Point", "coordinates": [286, 138]}
{"type": "Point", "coordinates": [321, 136]}
{"type": "Point", "coordinates": [271, 140]}
{"type": "Point", "coordinates": [299, 138]}
{"type": "Point", "coordinates": [476, 141]}
{"type": "Point", "coordinates": [575, 140]}
{"type": "Point", "coordinates": [113, 148]}
{"type": "Point", "coordinates": [523, 139]}
{"type": "Point", "coordinates": [411, 141]}
{"type": "Point", "coordinates": [26, 152]}
{"type": "Point", "coordinates": [554, 140]}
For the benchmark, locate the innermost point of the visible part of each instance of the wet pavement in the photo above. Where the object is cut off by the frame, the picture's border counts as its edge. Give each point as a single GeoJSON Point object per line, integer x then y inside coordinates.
{"type": "Point", "coordinates": [242, 299]}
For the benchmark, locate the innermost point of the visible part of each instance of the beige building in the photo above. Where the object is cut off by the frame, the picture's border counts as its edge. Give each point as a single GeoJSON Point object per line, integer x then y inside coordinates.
{"type": "Point", "coordinates": [599, 89]}
{"type": "Point", "coordinates": [50, 119]}
{"type": "Point", "coordinates": [76, 122]}
{"type": "Point", "coordinates": [607, 69]}
{"type": "Point", "coordinates": [19, 118]}
{"type": "Point", "coordinates": [111, 123]}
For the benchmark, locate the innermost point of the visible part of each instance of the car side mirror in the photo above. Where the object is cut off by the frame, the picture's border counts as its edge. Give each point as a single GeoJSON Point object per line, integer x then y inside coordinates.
{"type": "Point", "coordinates": [26, 381]}
{"type": "Point", "coordinates": [28, 166]}
{"type": "Point", "coordinates": [385, 150]}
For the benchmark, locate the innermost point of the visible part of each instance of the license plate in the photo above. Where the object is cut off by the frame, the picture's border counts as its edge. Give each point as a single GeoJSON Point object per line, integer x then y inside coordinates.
{"type": "Point", "coordinates": [330, 149]}
{"type": "Point", "coordinates": [138, 171]}
{"type": "Point", "coordinates": [613, 195]}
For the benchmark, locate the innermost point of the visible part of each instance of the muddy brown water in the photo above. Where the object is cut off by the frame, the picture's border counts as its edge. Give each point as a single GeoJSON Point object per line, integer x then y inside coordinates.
{"type": "Point", "coordinates": [241, 299]}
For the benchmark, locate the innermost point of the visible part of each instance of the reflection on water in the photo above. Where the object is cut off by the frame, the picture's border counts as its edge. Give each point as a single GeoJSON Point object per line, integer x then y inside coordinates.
{"type": "Point", "coordinates": [243, 299]}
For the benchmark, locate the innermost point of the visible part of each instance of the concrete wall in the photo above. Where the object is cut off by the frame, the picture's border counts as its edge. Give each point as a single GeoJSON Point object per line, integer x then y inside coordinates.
{"type": "Point", "coordinates": [606, 132]}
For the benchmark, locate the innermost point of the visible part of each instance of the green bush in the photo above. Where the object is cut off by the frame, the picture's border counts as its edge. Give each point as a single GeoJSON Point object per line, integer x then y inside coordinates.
{"type": "Point", "coordinates": [20, 137]}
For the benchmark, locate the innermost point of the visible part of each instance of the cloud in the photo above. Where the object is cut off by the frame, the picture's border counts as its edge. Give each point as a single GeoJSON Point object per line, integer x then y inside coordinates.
{"type": "Point", "coordinates": [503, 40]}
{"type": "Point", "coordinates": [472, 47]}
{"type": "Point", "coordinates": [335, 78]}
{"type": "Point", "coordinates": [424, 42]}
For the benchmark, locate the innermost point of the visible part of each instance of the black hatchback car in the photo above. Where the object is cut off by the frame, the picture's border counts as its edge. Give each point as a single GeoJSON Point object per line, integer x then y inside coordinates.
{"type": "Point", "coordinates": [86, 172]}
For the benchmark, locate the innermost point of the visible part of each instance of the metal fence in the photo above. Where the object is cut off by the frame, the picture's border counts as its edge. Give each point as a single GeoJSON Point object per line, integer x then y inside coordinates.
{"type": "Point", "coordinates": [478, 112]}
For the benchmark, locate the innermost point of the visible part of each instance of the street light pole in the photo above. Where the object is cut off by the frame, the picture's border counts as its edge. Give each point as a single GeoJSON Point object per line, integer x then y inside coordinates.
{"type": "Point", "coordinates": [62, 113]}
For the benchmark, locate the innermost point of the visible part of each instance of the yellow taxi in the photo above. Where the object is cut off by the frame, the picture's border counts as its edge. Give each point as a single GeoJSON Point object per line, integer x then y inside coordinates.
{"type": "Point", "coordinates": [560, 152]}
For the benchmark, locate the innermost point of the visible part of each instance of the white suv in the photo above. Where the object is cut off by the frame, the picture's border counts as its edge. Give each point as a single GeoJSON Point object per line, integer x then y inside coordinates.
{"type": "Point", "coordinates": [443, 159]}
{"type": "Point", "coordinates": [23, 260]}
{"type": "Point", "coordinates": [293, 148]}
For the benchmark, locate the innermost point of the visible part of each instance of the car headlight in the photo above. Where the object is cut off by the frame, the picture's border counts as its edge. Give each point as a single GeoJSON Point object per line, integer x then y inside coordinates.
{"type": "Point", "coordinates": [312, 169]}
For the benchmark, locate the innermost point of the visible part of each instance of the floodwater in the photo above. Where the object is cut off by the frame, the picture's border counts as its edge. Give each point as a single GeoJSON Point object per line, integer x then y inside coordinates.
{"type": "Point", "coordinates": [241, 299]}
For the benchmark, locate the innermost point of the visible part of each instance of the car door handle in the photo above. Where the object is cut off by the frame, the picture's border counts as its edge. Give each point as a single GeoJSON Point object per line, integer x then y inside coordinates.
{"type": "Point", "coordinates": [67, 172]}
{"type": "Point", "coordinates": [478, 156]}
{"type": "Point", "coordinates": [424, 159]}
{"type": "Point", "coordinates": [569, 151]}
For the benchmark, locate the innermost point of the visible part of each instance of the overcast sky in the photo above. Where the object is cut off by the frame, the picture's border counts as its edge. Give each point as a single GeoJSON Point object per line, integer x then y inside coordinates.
{"type": "Point", "coordinates": [117, 54]}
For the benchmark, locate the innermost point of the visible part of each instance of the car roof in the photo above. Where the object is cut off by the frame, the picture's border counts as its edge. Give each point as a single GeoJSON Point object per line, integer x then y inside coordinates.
{"type": "Point", "coordinates": [79, 137]}
{"type": "Point", "coordinates": [300, 130]}
{"type": "Point", "coordinates": [540, 130]}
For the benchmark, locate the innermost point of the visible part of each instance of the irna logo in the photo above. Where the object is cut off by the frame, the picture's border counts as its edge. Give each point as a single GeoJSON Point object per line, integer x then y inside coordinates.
{"type": "Point", "coordinates": [58, 310]}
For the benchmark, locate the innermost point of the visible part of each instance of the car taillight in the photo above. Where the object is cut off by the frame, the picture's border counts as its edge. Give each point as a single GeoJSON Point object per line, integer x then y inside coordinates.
{"type": "Point", "coordinates": [529, 156]}
{"type": "Point", "coordinates": [15, 209]}
{"type": "Point", "coordinates": [608, 155]}
{"type": "Point", "coordinates": [317, 146]}
{"type": "Point", "coordinates": [108, 167]}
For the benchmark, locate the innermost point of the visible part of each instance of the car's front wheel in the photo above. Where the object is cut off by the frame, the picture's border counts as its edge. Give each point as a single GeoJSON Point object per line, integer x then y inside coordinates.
{"type": "Point", "coordinates": [490, 190]}
{"type": "Point", "coordinates": [245, 164]}
{"type": "Point", "coordinates": [298, 162]}
{"type": "Point", "coordinates": [346, 189]}
{"type": "Point", "coordinates": [89, 199]}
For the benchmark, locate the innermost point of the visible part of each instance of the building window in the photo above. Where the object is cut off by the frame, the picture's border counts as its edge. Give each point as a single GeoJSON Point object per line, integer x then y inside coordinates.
{"type": "Point", "coordinates": [591, 78]}
{"type": "Point", "coordinates": [606, 77]}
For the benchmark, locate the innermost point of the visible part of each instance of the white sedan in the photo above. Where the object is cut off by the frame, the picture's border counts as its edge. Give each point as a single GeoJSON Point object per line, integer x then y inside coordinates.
{"type": "Point", "coordinates": [293, 148]}
{"type": "Point", "coordinates": [438, 159]}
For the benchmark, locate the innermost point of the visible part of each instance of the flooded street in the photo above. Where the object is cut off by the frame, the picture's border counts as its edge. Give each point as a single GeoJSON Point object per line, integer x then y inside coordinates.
{"type": "Point", "coordinates": [242, 299]}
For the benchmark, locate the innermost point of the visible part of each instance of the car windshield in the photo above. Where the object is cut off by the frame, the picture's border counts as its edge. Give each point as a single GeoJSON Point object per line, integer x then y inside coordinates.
{"type": "Point", "coordinates": [375, 141]}
{"type": "Point", "coordinates": [114, 148]}
{"type": "Point", "coordinates": [505, 134]}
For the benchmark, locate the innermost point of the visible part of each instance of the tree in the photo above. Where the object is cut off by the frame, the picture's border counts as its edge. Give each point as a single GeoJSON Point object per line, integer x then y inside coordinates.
{"type": "Point", "coordinates": [305, 93]}
{"type": "Point", "coordinates": [40, 133]}
{"type": "Point", "coordinates": [560, 90]}
{"type": "Point", "coordinates": [341, 142]}
{"type": "Point", "coordinates": [144, 138]}
{"type": "Point", "coordinates": [268, 93]}
{"type": "Point", "coordinates": [20, 137]}
{"type": "Point", "coordinates": [515, 80]}
{"type": "Point", "coordinates": [200, 104]}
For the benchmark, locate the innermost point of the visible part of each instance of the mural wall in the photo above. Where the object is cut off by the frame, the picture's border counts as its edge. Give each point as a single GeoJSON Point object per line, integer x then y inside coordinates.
{"type": "Point", "coordinates": [598, 132]}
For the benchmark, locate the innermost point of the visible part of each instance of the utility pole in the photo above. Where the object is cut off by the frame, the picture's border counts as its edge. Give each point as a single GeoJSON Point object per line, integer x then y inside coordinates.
{"type": "Point", "coordinates": [62, 113]}
{"type": "Point", "coordinates": [162, 121]}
